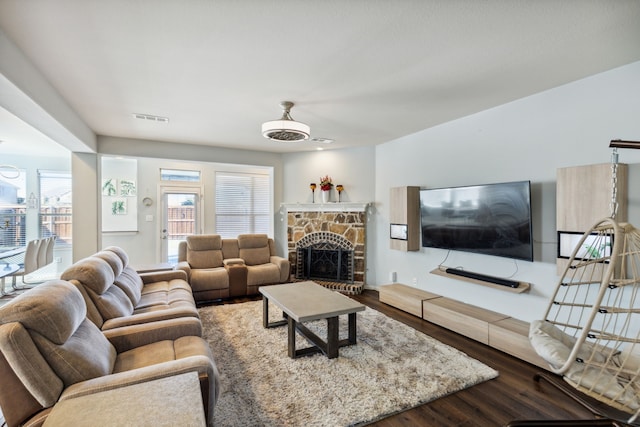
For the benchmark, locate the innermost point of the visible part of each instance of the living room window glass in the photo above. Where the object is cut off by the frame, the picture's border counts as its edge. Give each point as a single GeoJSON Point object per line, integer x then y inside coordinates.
{"type": "Point", "coordinates": [55, 206]}
{"type": "Point", "coordinates": [242, 203]}
{"type": "Point", "coordinates": [13, 207]}
{"type": "Point", "coordinates": [179, 175]}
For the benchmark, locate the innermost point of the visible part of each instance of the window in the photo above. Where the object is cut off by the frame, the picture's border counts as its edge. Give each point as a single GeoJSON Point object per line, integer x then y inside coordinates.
{"type": "Point", "coordinates": [242, 203]}
{"type": "Point", "coordinates": [55, 206]}
{"type": "Point", "coordinates": [179, 175]}
{"type": "Point", "coordinates": [13, 208]}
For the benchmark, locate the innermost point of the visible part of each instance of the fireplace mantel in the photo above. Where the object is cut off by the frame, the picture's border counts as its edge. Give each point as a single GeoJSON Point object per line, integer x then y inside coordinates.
{"type": "Point", "coordinates": [327, 207]}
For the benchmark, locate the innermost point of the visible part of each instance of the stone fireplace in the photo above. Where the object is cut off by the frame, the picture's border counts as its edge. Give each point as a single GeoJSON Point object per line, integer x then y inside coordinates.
{"type": "Point", "coordinates": [326, 244]}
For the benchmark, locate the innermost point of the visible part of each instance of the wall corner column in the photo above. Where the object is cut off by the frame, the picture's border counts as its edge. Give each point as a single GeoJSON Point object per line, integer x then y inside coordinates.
{"type": "Point", "coordinates": [86, 236]}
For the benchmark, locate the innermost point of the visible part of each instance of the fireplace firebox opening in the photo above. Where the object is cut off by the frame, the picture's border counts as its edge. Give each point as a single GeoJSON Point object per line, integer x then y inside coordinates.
{"type": "Point", "coordinates": [325, 256]}
{"type": "Point", "coordinates": [322, 263]}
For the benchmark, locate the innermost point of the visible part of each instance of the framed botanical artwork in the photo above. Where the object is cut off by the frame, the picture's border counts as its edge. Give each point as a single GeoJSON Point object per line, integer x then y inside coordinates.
{"type": "Point", "coordinates": [109, 187]}
{"type": "Point", "coordinates": [119, 204]}
{"type": "Point", "coordinates": [127, 188]}
{"type": "Point", "coordinates": [119, 207]}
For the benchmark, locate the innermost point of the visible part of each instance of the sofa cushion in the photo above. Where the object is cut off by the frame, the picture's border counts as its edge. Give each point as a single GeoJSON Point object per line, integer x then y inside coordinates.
{"type": "Point", "coordinates": [160, 352]}
{"type": "Point", "coordinates": [126, 278]}
{"type": "Point", "coordinates": [114, 261]}
{"type": "Point", "coordinates": [86, 354]}
{"type": "Point", "coordinates": [209, 278]}
{"type": "Point", "coordinates": [94, 273]}
{"type": "Point", "coordinates": [230, 248]}
{"type": "Point", "coordinates": [54, 311]}
{"type": "Point", "coordinates": [113, 303]}
{"type": "Point", "coordinates": [264, 274]}
{"type": "Point", "coordinates": [97, 276]}
{"type": "Point", "coordinates": [166, 293]}
{"type": "Point", "coordinates": [204, 251]}
{"type": "Point", "coordinates": [31, 370]}
{"type": "Point", "coordinates": [120, 252]}
{"type": "Point", "coordinates": [204, 242]}
{"type": "Point", "coordinates": [254, 248]}
{"type": "Point", "coordinates": [131, 284]}
{"type": "Point", "coordinates": [54, 314]}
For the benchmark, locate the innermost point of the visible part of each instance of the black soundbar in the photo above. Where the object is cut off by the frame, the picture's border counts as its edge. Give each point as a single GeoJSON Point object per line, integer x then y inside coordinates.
{"type": "Point", "coordinates": [483, 277]}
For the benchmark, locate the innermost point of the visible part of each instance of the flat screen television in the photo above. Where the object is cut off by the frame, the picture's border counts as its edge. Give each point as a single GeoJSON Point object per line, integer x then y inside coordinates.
{"type": "Point", "coordinates": [491, 219]}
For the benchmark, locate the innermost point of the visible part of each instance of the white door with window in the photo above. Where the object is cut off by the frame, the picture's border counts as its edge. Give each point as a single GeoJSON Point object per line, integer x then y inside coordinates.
{"type": "Point", "coordinates": [181, 217]}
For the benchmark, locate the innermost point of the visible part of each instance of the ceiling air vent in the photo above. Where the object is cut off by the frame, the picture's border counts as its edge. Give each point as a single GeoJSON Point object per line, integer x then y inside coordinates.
{"type": "Point", "coordinates": [151, 117]}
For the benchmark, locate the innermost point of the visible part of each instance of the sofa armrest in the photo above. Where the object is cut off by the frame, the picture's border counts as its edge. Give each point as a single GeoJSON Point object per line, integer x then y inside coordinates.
{"type": "Point", "coordinates": [128, 337]}
{"type": "Point", "coordinates": [175, 400]}
{"type": "Point", "coordinates": [160, 276]}
{"type": "Point", "coordinates": [200, 364]}
{"type": "Point", "coordinates": [284, 266]}
{"type": "Point", "coordinates": [233, 261]}
{"type": "Point", "coordinates": [203, 365]}
{"type": "Point", "coordinates": [184, 266]}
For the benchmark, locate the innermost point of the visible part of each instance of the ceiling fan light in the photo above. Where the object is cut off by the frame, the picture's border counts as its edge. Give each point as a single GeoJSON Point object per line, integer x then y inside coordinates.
{"type": "Point", "coordinates": [286, 129]}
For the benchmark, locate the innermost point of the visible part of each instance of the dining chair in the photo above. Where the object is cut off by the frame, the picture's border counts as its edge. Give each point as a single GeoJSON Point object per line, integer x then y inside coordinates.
{"type": "Point", "coordinates": [45, 251]}
{"type": "Point", "coordinates": [50, 246]}
{"type": "Point", "coordinates": [30, 261]}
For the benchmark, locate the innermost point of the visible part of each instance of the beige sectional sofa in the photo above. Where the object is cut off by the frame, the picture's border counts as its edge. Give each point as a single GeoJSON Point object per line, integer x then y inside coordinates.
{"type": "Point", "coordinates": [102, 327]}
{"type": "Point", "coordinates": [221, 268]}
{"type": "Point", "coordinates": [126, 305]}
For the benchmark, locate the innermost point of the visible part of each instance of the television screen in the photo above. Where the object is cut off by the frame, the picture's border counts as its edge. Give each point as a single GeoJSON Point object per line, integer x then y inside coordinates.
{"type": "Point", "coordinates": [491, 219]}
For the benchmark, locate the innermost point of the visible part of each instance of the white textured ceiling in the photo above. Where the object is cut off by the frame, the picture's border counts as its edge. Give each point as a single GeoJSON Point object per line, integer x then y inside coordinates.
{"type": "Point", "coordinates": [361, 72]}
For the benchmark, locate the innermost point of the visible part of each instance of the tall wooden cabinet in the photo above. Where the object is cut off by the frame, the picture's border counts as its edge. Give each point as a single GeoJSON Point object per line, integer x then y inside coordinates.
{"type": "Point", "coordinates": [583, 196]}
{"type": "Point", "coordinates": [404, 229]}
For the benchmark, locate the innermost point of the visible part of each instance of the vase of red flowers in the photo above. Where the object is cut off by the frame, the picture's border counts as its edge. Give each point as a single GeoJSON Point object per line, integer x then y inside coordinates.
{"type": "Point", "coordinates": [325, 185]}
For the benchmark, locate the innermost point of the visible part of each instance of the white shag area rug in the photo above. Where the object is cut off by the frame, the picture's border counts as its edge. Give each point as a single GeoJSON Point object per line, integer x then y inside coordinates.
{"type": "Point", "coordinates": [391, 368]}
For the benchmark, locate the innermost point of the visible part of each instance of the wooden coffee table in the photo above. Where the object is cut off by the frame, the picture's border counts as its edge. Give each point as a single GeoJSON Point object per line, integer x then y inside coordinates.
{"type": "Point", "coordinates": [306, 301]}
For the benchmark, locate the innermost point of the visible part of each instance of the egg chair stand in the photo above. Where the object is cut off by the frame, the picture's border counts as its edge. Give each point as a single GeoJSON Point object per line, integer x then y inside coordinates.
{"type": "Point", "coordinates": [590, 332]}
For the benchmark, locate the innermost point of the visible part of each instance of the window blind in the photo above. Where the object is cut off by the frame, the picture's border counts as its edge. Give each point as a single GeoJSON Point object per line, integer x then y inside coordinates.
{"type": "Point", "coordinates": [242, 203]}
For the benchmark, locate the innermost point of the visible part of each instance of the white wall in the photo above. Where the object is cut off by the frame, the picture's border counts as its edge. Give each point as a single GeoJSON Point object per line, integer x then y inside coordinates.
{"type": "Point", "coordinates": [528, 139]}
{"type": "Point", "coordinates": [153, 155]}
{"type": "Point", "coordinates": [86, 209]}
{"type": "Point", "coordinates": [353, 168]}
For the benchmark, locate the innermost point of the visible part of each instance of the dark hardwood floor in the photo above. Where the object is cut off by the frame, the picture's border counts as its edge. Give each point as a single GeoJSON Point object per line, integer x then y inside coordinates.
{"type": "Point", "coordinates": [514, 395]}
